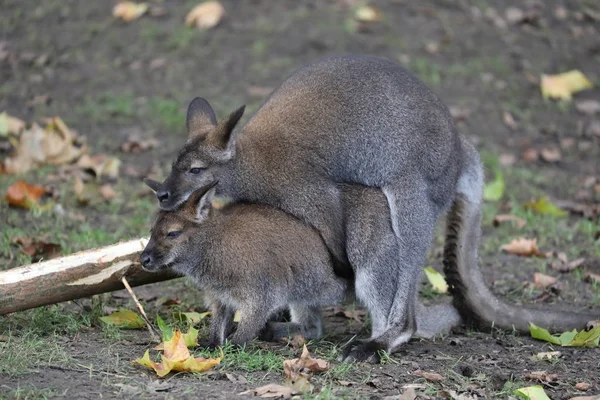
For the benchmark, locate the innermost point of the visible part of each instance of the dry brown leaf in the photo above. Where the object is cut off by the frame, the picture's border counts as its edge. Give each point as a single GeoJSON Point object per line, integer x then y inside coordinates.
{"type": "Point", "coordinates": [583, 386]}
{"type": "Point", "coordinates": [100, 165]}
{"type": "Point", "coordinates": [10, 125]}
{"type": "Point", "coordinates": [272, 391]}
{"type": "Point", "coordinates": [24, 195]}
{"type": "Point", "coordinates": [531, 155]}
{"type": "Point", "coordinates": [368, 14]}
{"type": "Point", "coordinates": [38, 249]}
{"type": "Point", "coordinates": [408, 394]}
{"type": "Point", "coordinates": [297, 368]}
{"type": "Point", "coordinates": [541, 376]}
{"type": "Point", "coordinates": [235, 378]}
{"type": "Point", "coordinates": [561, 265]}
{"type": "Point", "coordinates": [501, 218]}
{"type": "Point", "coordinates": [135, 143]}
{"type": "Point", "coordinates": [206, 15]}
{"type": "Point", "coordinates": [509, 120]}
{"type": "Point", "coordinates": [459, 113]}
{"type": "Point", "coordinates": [550, 154]}
{"type": "Point", "coordinates": [430, 376]}
{"type": "Point", "coordinates": [53, 145]}
{"type": "Point", "coordinates": [594, 397]}
{"type": "Point", "coordinates": [129, 11]}
{"type": "Point", "coordinates": [507, 159]}
{"type": "Point", "coordinates": [523, 247]}
{"type": "Point", "coordinates": [541, 281]}
{"type": "Point", "coordinates": [592, 277]}
{"type": "Point", "coordinates": [296, 342]}
{"type": "Point", "coordinates": [107, 192]}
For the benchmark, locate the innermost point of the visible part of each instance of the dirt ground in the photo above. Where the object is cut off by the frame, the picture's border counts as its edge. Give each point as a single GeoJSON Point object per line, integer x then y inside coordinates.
{"type": "Point", "coordinates": [108, 79]}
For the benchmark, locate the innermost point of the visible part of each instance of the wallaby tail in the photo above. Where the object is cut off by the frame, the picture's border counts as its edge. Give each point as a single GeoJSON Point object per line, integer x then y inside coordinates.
{"type": "Point", "coordinates": [474, 301]}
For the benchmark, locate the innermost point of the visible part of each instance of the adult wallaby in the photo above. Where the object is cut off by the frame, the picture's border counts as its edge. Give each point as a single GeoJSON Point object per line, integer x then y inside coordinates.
{"type": "Point", "coordinates": [359, 120]}
{"type": "Point", "coordinates": [248, 257]}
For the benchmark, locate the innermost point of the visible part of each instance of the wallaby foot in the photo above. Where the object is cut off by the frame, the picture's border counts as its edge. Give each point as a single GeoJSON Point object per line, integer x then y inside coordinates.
{"type": "Point", "coordinates": [306, 321]}
{"type": "Point", "coordinates": [363, 351]}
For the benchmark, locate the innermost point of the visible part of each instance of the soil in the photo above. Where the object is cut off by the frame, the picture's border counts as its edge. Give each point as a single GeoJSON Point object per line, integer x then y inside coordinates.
{"type": "Point", "coordinates": [107, 78]}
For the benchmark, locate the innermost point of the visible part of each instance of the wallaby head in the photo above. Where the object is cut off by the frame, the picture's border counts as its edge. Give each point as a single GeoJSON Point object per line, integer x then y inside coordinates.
{"type": "Point", "coordinates": [208, 145]}
{"type": "Point", "coordinates": [172, 233]}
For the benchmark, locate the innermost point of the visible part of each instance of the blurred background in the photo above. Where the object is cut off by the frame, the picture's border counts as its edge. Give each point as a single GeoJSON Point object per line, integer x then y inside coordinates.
{"type": "Point", "coordinates": [93, 96]}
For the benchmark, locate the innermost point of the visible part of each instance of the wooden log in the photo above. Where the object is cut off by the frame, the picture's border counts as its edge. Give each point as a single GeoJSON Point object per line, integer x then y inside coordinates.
{"type": "Point", "coordinates": [75, 276]}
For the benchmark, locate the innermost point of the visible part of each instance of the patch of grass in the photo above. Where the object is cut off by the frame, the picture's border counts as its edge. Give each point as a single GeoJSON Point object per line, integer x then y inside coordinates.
{"type": "Point", "coordinates": [44, 321]}
{"type": "Point", "coordinates": [427, 70]}
{"type": "Point", "coordinates": [248, 359]}
{"type": "Point", "coordinates": [168, 114]}
{"type": "Point", "coordinates": [22, 353]}
{"type": "Point", "coordinates": [181, 37]}
{"type": "Point", "coordinates": [107, 106]}
{"type": "Point", "coordinates": [28, 393]}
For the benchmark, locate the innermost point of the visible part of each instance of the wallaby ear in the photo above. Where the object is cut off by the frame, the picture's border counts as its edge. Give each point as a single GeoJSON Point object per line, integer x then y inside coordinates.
{"type": "Point", "coordinates": [220, 136]}
{"type": "Point", "coordinates": [198, 204]}
{"type": "Point", "coordinates": [200, 118]}
{"type": "Point", "coordinates": [152, 184]}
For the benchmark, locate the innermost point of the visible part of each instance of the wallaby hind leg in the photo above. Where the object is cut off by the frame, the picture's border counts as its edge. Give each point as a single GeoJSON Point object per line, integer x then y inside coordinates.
{"type": "Point", "coordinates": [221, 324]}
{"type": "Point", "coordinates": [306, 321]}
{"type": "Point", "coordinates": [252, 322]}
{"type": "Point", "coordinates": [387, 263]}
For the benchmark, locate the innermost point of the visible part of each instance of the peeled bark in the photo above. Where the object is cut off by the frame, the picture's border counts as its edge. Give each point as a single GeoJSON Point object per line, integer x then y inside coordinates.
{"type": "Point", "coordinates": [75, 276]}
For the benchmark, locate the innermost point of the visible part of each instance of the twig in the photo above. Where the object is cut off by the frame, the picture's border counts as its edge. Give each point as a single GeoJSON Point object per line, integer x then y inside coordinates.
{"type": "Point", "coordinates": [153, 333]}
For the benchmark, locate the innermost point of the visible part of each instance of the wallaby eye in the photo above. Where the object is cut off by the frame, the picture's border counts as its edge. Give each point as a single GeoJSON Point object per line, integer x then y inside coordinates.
{"type": "Point", "coordinates": [173, 234]}
{"type": "Point", "coordinates": [195, 171]}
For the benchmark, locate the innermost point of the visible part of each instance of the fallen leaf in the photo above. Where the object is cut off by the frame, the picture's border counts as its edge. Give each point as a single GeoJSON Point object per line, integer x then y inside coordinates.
{"type": "Point", "coordinates": [541, 281]}
{"type": "Point", "coordinates": [368, 14]}
{"type": "Point", "coordinates": [177, 358]}
{"type": "Point", "coordinates": [10, 125]}
{"type": "Point", "coordinates": [135, 143]}
{"type": "Point", "coordinates": [430, 376]}
{"type": "Point", "coordinates": [591, 277]}
{"type": "Point", "coordinates": [514, 15]}
{"type": "Point", "coordinates": [501, 218]}
{"type": "Point", "coordinates": [129, 11]}
{"type": "Point", "coordinates": [236, 378]}
{"type": "Point", "coordinates": [165, 329]}
{"type": "Point", "coordinates": [595, 397]}
{"type": "Point", "coordinates": [531, 155]}
{"type": "Point", "coordinates": [589, 107]}
{"type": "Point", "coordinates": [437, 280]}
{"type": "Point", "coordinates": [24, 195]}
{"type": "Point", "coordinates": [493, 191]}
{"type": "Point", "coordinates": [53, 145]}
{"type": "Point", "coordinates": [296, 342]}
{"type": "Point", "coordinates": [523, 247]}
{"type": "Point", "coordinates": [506, 159]}
{"type": "Point", "coordinates": [236, 316]}
{"type": "Point", "coordinates": [100, 165]}
{"type": "Point", "coordinates": [562, 86]}
{"type": "Point", "coordinates": [301, 384]}
{"type": "Point", "coordinates": [545, 207]}
{"type": "Point", "coordinates": [566, 266]}
{"type": "Point", "coordinates": [408, 394]}
{"type": "Point", "coordinates": [542, 376]}
{"type": "Point", "coordinates": [550, 154]}
{"type": "Point", "coordinates": [459, 113]}
{"type": "Point", "coordinates": [297, 367]}
{"type": "Point", "coordinates": [272, 391]}
{"type": "Point", "coordinates": [532, 393]}
{"type": "Point", "coordinates": [548, 355]}
{"type": "Point", "coordinates": [592, 324]}
{"type": "Point", "coordinates": [124, 319]}
{"type": "Point", "coordinates": [192, 317]}
{"type": "Point", "coordinates": [583, 386]}
{"type": "Point", "coordinates": [38, 249]}
{"type": "Point", "coordinates": [85, 193]}
{"type": "Point", "coordinates": [205, 15]}
{"type": "Point", "coordinates": [572, 338]}
{"type": "Point", "coordinates": [107, 192]}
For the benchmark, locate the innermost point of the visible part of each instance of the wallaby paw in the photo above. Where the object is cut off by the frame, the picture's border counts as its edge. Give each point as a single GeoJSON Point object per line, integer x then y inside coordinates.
{"type": "Point", "coordinates": [362, 352]}
{"type": "Point", "coordinates": [209, 345]}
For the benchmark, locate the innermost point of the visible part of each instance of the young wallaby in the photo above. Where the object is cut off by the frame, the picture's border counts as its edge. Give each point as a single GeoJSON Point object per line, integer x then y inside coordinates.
{"type": "Point", "coordinates": [360, 120]}
{"type": "Point", "coordinates": [247, 257]}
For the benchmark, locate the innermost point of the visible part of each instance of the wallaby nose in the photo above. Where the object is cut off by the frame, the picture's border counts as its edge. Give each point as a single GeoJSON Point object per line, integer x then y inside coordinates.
{"type": "Point", "coordinates": [162, 194]}
{"type": "Point", "coordinates": [145, 259]}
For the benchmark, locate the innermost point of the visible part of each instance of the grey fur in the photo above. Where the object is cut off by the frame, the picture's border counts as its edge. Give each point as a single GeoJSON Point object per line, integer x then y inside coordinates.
{"type": "Point", "coordinates": [252, 258]}
{"type": "Point", "coordinates": [357, 120]}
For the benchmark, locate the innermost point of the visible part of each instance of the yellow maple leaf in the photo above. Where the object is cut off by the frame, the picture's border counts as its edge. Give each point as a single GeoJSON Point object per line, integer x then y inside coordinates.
{"type": "Point", "coordinates": [562, 86]}
{"type": "Point", "coordinates": [177, 358]}
{"type": "Point", "coordinates": [205, 15]}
